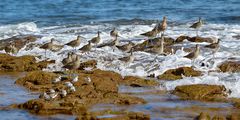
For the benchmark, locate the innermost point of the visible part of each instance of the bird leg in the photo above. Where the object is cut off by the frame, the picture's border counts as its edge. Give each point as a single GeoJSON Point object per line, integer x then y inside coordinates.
{"type": "Point", "coordinates": [197, 32]}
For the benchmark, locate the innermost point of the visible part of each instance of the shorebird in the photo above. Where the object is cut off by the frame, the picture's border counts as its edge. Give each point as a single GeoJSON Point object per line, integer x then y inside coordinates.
{"type": "Point", "coordinates": [74, 65]}
{"type": "Point", "coordinates": [214, 46]}
{"type": "Point", "coordinates": [68, 59]}
{"type": "Point", "coordinates": [58, 79]}
{"type": "Point", "coordinates": [75, 78]}
{"type": "Point", "coordinates": [197, 25]}
{"type": "Point", "coordinates": [162, 27]}
{"type": "Point", "coordinates": [111, 44]}
{"type": "Point", "coordinates": [47, 46]}
{"type": "Point", "coordinates": [74, 43]}
{"type": "Point", "coordinates": [126, 47]}
{"type": "Point", "coordinates": [72, 89]}
{"type": "Point", "coordinates": [56, 48]}
{"type": "Point", "coordinates": [114, 32]}
{"type": "Point", "coordinates": [158, 49]}
{"type": "Point", "coordinates": [86, 48]}
{"type": "Point", "coordinates": [74, 56]}
{"type": "Point", "coordinates": [63, 93]}
{"type": "Point", "coordinates": [46, 96]}
{"type": "Point", "coordinates": [151, 34]}
{"type": "Point", "coordinates": [128, 59]}
{"type": "Point", "coordinates": [88, 79]}
{"type": "Point", "coordinates": [68, 84]}
{"type": "Point", "coordinates": [194, 54]}
{"type": "Point", "coordinates": [97, 39]}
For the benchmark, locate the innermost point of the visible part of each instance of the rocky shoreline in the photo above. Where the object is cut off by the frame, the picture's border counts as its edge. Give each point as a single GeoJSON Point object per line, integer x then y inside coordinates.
{"type": "Point", "coordinates": [97, 86]}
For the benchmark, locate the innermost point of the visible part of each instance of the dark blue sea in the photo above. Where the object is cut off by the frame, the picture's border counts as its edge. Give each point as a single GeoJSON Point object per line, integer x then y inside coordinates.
{"type": "Point", "coordinates": [62, 12]}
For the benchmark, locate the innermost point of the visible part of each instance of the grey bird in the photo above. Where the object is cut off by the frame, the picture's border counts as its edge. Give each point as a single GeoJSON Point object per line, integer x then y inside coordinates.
{"type": "Point", "coordinates": [74, 65]}
{"type": "Point", "coordinates": [150, 34]}
{"type": "Point", "coordinates": [86, 48]}
{"type": "Point", "coordinates": [126, 47]}
{"type": "Point", "coordinates": [158, 49]}
{"type": "Point", "coordinates": [114, 32]}
{"type": "Point", "coordinates": [68, 59]}
{"type": "Point", "coordinates": [74, 43]}
{"type": "Point", "coordinates": [214, 46]}
{"type": "Point", "coordinates": [194, 54]}
{"type": "Point", "coordinates": [47, 46]}
{"type": "Point", "coordinates": [112, 44]}
{"type": "Point", "coordinates": [127, 59]}
{"type": "Point", "coordinates": [197, 25]}
{"type": "Point", "coordinates": [97, 39]}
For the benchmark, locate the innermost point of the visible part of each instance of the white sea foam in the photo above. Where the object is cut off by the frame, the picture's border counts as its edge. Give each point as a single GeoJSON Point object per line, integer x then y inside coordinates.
{"type": "Point", "coordinates": [144, 63]}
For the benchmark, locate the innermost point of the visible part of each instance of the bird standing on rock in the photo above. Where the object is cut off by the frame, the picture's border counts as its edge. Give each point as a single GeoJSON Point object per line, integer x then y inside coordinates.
{"type": "Point", "coordinates": [74, 43]}
{"type": "Point", "coordinates": [197, 25]}
{"type": "Point", "coordinates": [214, 46]}
{"type": "Point", "coordinates": [114, 33]}
{"type": "Point", "coordinates": [47, 46]}
{"type": "Point", "coordinates": [162, 27]}
{"type": "Point", "coordinates": [68, 59]}
{"type": "Point", "coordinates": [97, 39]}
{"type": "Point", "coordinates": [128, 59]}
{"type": "Point", "coordinates": [74, 65]}
{"type": "Point", "coordinates": [194, 54]}
{"type": "Point", "coordinates": [86, 48]}
{"type": "Point", "coordinates": [126, 47]}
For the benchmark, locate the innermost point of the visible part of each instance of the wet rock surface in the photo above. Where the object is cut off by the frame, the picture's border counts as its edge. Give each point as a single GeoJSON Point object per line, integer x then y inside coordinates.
{"type": "Point", "coordinates": [103, 88]}
{"type": "Point", "coordinates": [230, 66]}
{"type": "Point", "coordinates": [201, 92]}
{"type": "Point", "coordinates": [138, 82]}
{"type": "Point", "coordinates": [20, 64]}
{"type": "Point", "coordinates": [174, 74]}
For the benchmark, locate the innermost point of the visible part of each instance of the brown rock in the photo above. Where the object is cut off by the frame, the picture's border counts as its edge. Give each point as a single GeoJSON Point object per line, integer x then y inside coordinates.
{"type": "Point", "coordinates": [174, 74]}
{"type": "Point", "coordinates": [200, 92]}
{"type": "Point", "coordinates": [21, 64]}
{"type": "Point", "coordinates": [137, 81]}
{"type": "Point", "coordinates": [230, 66]}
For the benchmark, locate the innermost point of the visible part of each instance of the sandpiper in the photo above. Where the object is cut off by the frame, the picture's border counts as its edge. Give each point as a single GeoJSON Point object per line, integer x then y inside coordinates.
{"type": "Point", "coordinates": [46, 96]}
{"type": "Point", "coordinates": [214, 46]}
{"type": "Point", "coordinates": [114, 32]}
{"type": "Point", "coordinates": [97, 39]}
{"type": "Point", "coordinates": [74, 43]}
{"type": "Point", "coordinates": [151, 34]}
{"type": "Point", "coordinates": [163, 26]}
{"type": "Point", "coordinates": [194, 54]}
{"type": "Point", "coordinates": [86, 48]}
{"type": "Point", "coordinates": [126, 47]}
{"type": "Point", "coordinates": [63, 93]}
{"type": "Point", "coordinates": [74, 65]}
{"type": "Point", "coordinates": [56, 48]}
{"type": "Point", "coordinates": [72, 89]}
{"type": "Point", "coordinates": [88, 79]}
{"type": "Point", "coordinates": [75, 78]}
{"type": "Point", "coordinates": [68, 59]}
{"type": "Point", "coordinates": [111, 43]}
{"type": "Point", "coordinates": [158, 49]}
{"type": "Point", "coordinates": [68, 84]}
{"type": "Point", "coordinates": [58, 79]}
{"type": "Point", "coordinates": [47, 46]}
{"type": "Point", "coordinates": [128, 59]}
{"type": "Point", "coordinates": [197, 25]}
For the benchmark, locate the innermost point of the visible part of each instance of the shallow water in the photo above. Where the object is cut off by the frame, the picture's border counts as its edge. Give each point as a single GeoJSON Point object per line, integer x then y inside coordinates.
{"type": "Point", "coordinates": [164, 106]}
{"type": "Point", "coordinates": [14, 94]}
{"type": "Point", "coordinates": [63, 12]}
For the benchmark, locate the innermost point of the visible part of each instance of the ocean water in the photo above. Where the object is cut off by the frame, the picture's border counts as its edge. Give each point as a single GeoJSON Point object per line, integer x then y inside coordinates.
{"type": "Point", "coordinates": [65, 19]}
